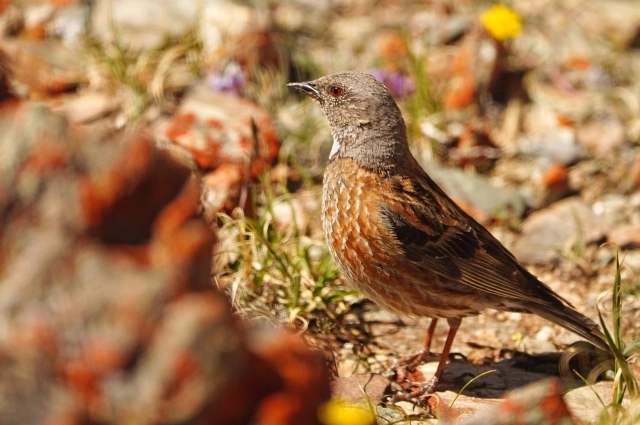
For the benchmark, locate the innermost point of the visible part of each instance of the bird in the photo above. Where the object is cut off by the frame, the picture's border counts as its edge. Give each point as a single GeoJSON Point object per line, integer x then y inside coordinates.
{"type": "Point", "coordinates": [399, 239]}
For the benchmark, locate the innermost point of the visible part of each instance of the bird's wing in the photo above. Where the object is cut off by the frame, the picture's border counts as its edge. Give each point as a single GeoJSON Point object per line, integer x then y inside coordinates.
{"type": "Point", "coordinates": [435, 234]}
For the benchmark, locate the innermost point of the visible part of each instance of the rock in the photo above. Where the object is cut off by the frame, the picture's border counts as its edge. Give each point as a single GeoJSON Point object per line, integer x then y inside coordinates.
{"type": "Point", "coordinates": [523, 380]}
{"type": "Point", "coordinates": [358, 388]}
{"type": "Point", "coordinates": [632, 259]}
{"type": "Point", "coordinates": [594, 185]}
{"type": "Point", "coordinates": [301, 387]}
{"type": "Point", "coordinates": [586, 403]}
{"type": "Point", "coordinates": [474, 147]}
{"type": "Point", "coordinates": [36, 16]}
{"type": "Point", "coordinates": [464, 407]}
{"type": "Point", "coordinates": [601, 136]}
{"type": "Point", "coordinates": [553, 103]}
{"type": "Point", "coordinates": [551, 185]}
{"type": "Point", "coordinates": [564, 338]}
{"type": "Point", "coordinates": [485, 338]}
{"type": "Point", "coordinates": [534, 345]}
{"type": "Point", "coordinates": [476, 195]}
{"type": "Point", "coordinates": [86, 107]}
{"type": "Point", "coordinates": [634, 200]}
{"type": "Point", "coordinates": [546, 137]}
{"type": "Point", "coordinates": [70, 23]}
{"type": "Point", "coordinates": [547, 232]}
{"type": "Point", "coordinates": [301, 15]}
{"type": "Point", "coordinates": [635, 173]}
{"type": "Point", "coordinates": [107, 309]}
{"type": "Point", "coordinates": [611, 208]}
{"type": "Point", "coordinates": [625, 236]}
{"type": "Point", "coordinates": [11, 19]}
{"type": "Point", "coordinates": [615, 21]}
{"type": "Point", "coordinates": [43, 68]}
{"type": "Point", "coordinates": [238, 30]}
{"type": "Point", "coordinates": [142, 24]}
{"type": "Point", "coordinates": [474, 70]}
{"type": "Point", "coordinates": [109, 237]}
{"type": "Point", "coordinates": [540, 403]}
{"type": "Point", "coordinates": [557, 149]}
{"type": "Point", "coordinates": [213, 133]}
{"type": "Point", "coordinates": [223, 26]}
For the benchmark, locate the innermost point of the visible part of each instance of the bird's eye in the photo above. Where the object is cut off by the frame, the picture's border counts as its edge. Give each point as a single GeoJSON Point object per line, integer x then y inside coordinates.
{"type": "Point", "coordinates": [336, 91]}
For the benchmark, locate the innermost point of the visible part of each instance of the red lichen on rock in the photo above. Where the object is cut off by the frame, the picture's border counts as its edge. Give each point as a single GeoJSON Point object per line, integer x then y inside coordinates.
{"type": "Point", "coordinates": [230, 140]}
{"type": "Point", "coordinates": [108, 297]}
{"type": "Point", "coordinates": [555, 175]}
{"type": "Point", "coordinates": [180, 125]}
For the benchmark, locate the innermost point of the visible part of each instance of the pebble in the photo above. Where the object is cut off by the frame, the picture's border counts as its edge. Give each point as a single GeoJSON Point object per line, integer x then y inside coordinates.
{"type": "Point", "coordinates": [87, 107]}
{"type": "Point", "coordinates": [632, 259]}
{"type": "Point", "coordinates": [142, 24]}
{"type": "Point", "coordinates": [560, 149]}
{"type": "Point", "coordinates": [601, 136]}
{"type": "Point", "coordinates": [476, 193]}
{"type": "Point", "coordinates": [611, 207]}
{"type": "Point", "coordinates": [546, 233]}
{"type": "Point", "coordinates": [626, 236]}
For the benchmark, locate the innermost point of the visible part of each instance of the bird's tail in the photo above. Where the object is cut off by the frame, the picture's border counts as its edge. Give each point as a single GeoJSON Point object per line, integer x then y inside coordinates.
{"type": "Point", "coordinates": [569, 318]}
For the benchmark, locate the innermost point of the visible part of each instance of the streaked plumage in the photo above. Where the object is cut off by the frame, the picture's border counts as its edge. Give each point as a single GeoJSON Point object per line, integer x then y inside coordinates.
{"type": "Point", "coordinates": [398, 238]}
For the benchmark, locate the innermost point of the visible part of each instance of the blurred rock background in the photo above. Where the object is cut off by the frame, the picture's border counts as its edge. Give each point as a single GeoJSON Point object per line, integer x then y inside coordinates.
{"type": "Point", "coordinates": [152, 158]}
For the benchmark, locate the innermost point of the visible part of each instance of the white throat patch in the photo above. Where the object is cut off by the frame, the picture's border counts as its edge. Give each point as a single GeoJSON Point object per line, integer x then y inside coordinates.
{"type": "Point", "coordinates": [334, 148]}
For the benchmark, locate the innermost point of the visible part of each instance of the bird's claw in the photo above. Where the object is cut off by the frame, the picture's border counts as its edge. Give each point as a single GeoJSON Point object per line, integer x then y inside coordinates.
{"type": "Point", "coordinates": [417, 391]}
{"type": "Point", "coordinates": [411, 361]}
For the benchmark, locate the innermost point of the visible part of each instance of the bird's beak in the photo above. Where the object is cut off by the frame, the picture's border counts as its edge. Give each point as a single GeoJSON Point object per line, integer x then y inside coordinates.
{"type": "Point", "coordinates": [308, 88]}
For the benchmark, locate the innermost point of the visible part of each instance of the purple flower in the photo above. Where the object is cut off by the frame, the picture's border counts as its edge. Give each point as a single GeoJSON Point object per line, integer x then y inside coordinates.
{"type": "Point", "coordinates": [398, 84]}
{"type": "Point", "coordinates": [231, 78]}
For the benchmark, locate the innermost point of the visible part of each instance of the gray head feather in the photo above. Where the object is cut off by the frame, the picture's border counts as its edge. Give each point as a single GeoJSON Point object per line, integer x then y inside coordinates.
{"type": "Point", "coordinates": [365, 121]}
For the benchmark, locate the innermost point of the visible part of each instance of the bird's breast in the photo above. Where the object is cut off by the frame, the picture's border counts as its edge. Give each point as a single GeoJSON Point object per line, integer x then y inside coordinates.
{"type": "Point", "coordinates": [364, 248]}
{"type": "Point", "coordinates": [350, 216]}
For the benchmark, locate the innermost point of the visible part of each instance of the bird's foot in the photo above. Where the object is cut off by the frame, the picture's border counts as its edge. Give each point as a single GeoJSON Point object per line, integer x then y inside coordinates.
{"type": "Point", "coordinates": [417, 392]}
{"type": "Point", "coordinates": [411, 361]}
{"type": "Point", "coordinates": [414, 387]}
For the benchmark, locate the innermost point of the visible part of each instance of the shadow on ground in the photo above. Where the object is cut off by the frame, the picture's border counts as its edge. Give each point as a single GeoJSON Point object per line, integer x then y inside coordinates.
{"type": "Point", "coordinates": [515, 372]}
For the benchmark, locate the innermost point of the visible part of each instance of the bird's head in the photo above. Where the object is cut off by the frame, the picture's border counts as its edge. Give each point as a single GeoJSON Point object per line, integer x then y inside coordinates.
{"type": "Point", "coordinates": [365, 121]}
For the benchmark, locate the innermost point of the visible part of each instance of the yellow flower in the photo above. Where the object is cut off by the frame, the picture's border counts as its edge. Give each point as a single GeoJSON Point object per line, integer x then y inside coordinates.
{"type": "Point", "coordinates": [338, 412]}
{"type": "Point", "coordinates": [501, 22]}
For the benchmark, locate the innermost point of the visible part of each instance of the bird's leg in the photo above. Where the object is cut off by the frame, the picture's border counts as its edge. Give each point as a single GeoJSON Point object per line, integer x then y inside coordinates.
{"type": "Point", "coordinates": [428, 339]}
{"type": "Point", "coordinates": [454, 325]}
{"type": "Point", "coordinates": [415, 359]}
{"type": "Point", "coordinates": [421, 390]}
{"type": "Point", "coordinates": [430, 386]}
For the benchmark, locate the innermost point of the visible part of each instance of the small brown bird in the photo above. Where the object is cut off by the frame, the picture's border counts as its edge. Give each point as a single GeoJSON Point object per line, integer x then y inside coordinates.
{"type": "Point", "coordinates": [399, 239]}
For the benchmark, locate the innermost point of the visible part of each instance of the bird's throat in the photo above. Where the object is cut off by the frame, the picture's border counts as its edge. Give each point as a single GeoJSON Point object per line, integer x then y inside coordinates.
{"type": "Point", "coordinates": [334, 148]}
{"type": "Point", "coordinates": [374, 150]}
